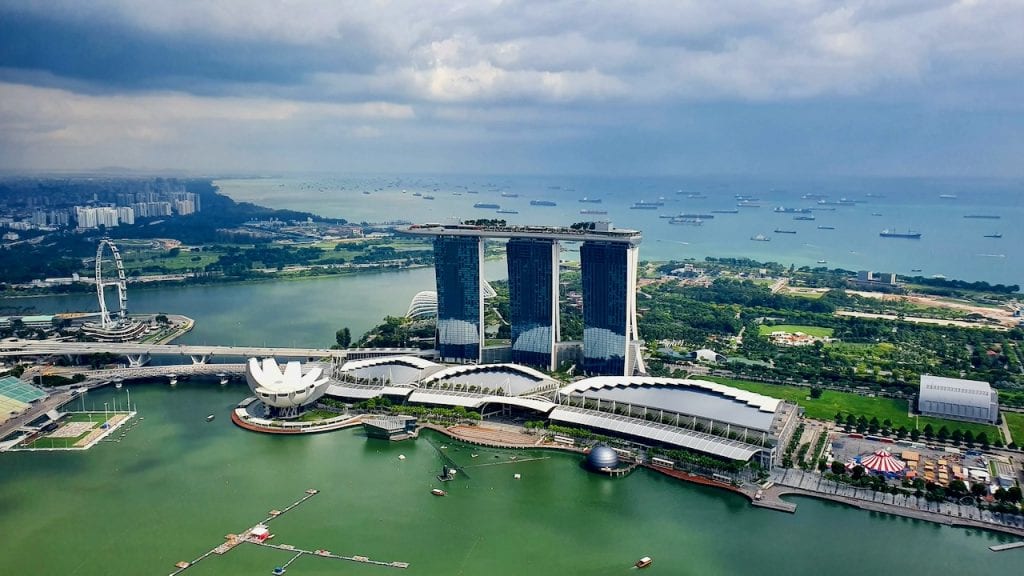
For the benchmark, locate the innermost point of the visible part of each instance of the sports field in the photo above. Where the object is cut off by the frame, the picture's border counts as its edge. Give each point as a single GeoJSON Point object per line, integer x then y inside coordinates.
{"type": "Point", "coordinates": [832, 401]}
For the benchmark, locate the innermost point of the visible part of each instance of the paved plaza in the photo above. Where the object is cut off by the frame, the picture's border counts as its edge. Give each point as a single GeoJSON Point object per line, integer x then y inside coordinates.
{"type": "Point", "coordinates": [812, 482]}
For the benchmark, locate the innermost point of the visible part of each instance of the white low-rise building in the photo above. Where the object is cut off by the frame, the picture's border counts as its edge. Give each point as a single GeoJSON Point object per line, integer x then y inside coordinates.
{"type": "Point", "coordinates": [958, 399]}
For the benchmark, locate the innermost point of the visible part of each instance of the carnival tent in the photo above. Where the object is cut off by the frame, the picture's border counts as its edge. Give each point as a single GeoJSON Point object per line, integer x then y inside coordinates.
{"type": "Point", "coordinates": [884, 462]}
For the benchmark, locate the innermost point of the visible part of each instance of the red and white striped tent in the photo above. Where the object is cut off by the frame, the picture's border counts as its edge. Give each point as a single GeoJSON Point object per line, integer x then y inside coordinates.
{"type": "Point", "coordinates": [884, 462]}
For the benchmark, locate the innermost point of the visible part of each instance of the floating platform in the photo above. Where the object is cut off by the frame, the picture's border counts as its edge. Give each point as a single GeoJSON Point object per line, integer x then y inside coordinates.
{"type": "Point", "coordinates": [1010, 546]}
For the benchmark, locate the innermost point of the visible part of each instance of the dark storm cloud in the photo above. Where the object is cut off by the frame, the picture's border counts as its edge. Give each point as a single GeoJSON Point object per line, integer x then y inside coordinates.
{"type": "Point", "coordinates": [655, 85]}
{"type": "Point", "coordinates": [109, 55]}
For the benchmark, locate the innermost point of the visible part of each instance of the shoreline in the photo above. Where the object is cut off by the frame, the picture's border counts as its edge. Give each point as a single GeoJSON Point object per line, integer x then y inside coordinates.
{"type": "Point", "coordinates": [277, 277]}
{"type": "Point", "coordinates": [933, 517]}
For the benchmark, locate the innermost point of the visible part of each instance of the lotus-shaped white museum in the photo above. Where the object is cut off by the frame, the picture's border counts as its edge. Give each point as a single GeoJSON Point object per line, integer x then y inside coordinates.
{"type": "Point", "coordinates": [284, 392]}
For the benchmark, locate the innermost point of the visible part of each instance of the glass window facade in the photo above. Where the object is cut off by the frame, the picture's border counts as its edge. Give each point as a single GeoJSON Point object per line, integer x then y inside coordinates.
{"type": "Point", "coordinates": [532, 278]}
{"type": "Point", "coordinates": [457, 261]}
{"type": "Point", "coordinates": [605, 268]}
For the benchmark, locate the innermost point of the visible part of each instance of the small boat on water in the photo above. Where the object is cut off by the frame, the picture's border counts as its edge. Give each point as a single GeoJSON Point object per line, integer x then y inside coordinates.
{"type": "Point", "coordinates": [438, 492]}
{"type": "Point", "coordinates": [822, 261]}
{"type": "Point", "coordinates": [210, 417]}
{"type": "Point", "coordinates": [761, 238]}
{"type": "Point", "coordinates": [427, 197]}
{"type": "Point", "coordinates": [995, 235]}
{"type": "Point", "coordinates": [643, 562]}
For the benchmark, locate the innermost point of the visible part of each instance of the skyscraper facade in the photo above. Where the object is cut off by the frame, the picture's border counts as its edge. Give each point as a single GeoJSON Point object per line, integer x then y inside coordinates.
{"type": "Point", "coordinates": [609, 306]}
{"type": "Point", "coordinates": [533, 300]}
{"type": "Point", "coordinates": [460, 312]}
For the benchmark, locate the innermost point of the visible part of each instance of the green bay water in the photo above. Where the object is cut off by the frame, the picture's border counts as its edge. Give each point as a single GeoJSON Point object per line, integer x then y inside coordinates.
{"type": "Point", "coordinates": [177, 484]}
{"type": "Point", "coordinates": [302, 312]}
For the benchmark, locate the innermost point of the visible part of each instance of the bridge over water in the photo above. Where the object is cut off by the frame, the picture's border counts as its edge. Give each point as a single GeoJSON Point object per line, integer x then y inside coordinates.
{"type": "Point", "coordinates": [140, 354]}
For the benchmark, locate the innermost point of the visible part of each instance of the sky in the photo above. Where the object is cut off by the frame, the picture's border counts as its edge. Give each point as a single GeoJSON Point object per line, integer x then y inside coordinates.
{"type": "Point", "coordinates": [677, 87]}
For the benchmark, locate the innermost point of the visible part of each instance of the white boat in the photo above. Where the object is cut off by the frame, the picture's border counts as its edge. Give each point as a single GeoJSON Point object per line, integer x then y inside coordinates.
{"type": "Point", "coordinates": [643, 562]}
{"type": "Point", "coordinates": [438, 492]}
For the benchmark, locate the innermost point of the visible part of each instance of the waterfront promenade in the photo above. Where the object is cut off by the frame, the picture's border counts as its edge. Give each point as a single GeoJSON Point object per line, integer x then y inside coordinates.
{"type": "Point", "coordinates": [796, 482]}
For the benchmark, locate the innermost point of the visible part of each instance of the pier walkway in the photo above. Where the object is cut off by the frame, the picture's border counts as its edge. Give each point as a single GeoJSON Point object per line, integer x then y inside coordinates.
{"type": "Point", "coordinates": [233, 540]}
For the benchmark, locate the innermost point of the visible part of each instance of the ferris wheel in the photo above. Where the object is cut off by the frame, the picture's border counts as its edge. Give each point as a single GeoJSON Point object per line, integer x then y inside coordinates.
{"type": "Point", "coordinates": [120, 282]}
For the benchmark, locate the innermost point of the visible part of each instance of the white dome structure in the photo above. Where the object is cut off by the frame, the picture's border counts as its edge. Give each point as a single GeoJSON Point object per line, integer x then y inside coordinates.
{"type": "Point", "coordinates": [423, 305]}
{"type": "Point", "coordinates": [284, 392]}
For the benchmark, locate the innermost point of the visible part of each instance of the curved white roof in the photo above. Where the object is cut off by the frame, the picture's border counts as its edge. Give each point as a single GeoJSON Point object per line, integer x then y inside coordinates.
{"type": "Point", "coordinates": [287, 388]}
{"type": "Point", "coordinates": [752, 399]}
{"type": "Point", "coordinates": [451, 371]}
{"type": "Point", "coordinates": [468, 400]}
{"type": "Point", "coordinates": [413, 361]}
{"type": "Point", "coordinates": [653, 431]}
{"type": "Point", "coordinates": [423, 305]}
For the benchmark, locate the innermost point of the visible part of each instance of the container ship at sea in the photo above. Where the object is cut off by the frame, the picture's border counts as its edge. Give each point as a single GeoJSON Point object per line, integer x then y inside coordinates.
{"type": "Point", "coordinates": [887, 233]}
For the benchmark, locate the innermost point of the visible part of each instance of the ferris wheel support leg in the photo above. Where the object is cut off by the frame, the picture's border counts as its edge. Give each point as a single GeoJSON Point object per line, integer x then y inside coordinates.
{"type": "Point", "coordinates": [138, 360]}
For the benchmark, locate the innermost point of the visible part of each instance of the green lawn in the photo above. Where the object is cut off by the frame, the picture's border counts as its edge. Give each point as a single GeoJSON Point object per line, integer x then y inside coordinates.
{"type": "Point", "coordinates": [831, 401]}
{"type": "Point", "coordinates": [815, 331]}
{"type": "Point", "coordinates": [1015, 421]}
{"type": "Point", "coordinates": [317, 415]}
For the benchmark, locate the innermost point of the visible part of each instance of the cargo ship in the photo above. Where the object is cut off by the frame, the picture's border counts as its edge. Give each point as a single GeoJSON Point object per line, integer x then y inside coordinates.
{"type": "Point", "coordinates": [542, 203]}
{"type": "Point", "coordinates": [995, 235]}
{"type": "Point", "coordinates": [984, 216]}
{"type": "Point", "coordinates": [803, 217]}
{"type": "Point", "coordinates": [590, 200]}
{"type": "Point", "coordinates": [509, 195]}
{"type": "Point", "coordinates": [486, 205]}
{"type": "Point", "coordinates": [779, 231]}
{"type": "Point", "coordinates": [731, 211]}
{"type": "Point", "coordinates": [507, 212]}
{"type": "Point", "coordinates": [784, 210]}
{"type": "Point", "coordinates": [593, 211]}
{"type": "Point", "coordinates": [747, 204]}
{"type": "Point", "coordinates": [826, 227]}
{"type": "Point", "coordinates": [761, 238]}
{"type": "Point", "coordinates": [688, 221]}
{"type": "Point", "coordinates": [887, 233]}
{"type": "Point", "coordinates": [641, 205]}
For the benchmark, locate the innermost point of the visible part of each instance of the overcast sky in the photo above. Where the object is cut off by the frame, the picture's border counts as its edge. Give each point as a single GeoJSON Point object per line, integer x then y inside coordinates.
{"type": "Point", "coordinates": [893, 87]}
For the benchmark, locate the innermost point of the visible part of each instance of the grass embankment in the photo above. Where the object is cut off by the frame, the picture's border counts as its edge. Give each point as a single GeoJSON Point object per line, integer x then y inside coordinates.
{"type": "Point", "coordinates": [1015, 422]}
{"type": "Point", "coordinates": [317, 415]}
{"type": "Point", "coordinates": [815, 331]}
{"type": "Point", "coordinates": [832, 401]}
